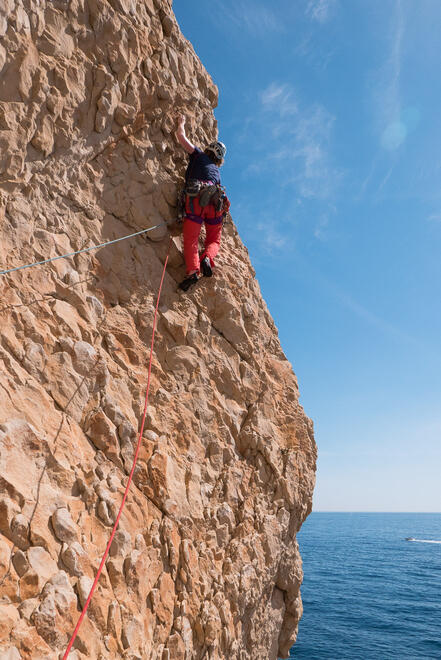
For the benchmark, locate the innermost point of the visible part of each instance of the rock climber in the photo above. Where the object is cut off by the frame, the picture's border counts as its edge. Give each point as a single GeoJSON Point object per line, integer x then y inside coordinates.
{"type": "Point", "coordinates": [204, 201]}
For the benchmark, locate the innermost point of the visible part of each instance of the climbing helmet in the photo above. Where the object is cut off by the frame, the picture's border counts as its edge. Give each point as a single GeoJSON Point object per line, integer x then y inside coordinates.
{"type": "Point", "coordinates": [218, 148]}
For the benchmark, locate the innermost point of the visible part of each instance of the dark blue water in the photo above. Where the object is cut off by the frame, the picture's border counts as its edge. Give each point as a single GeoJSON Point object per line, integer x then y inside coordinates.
{"type": "Point", "coordinates": [367, 593]}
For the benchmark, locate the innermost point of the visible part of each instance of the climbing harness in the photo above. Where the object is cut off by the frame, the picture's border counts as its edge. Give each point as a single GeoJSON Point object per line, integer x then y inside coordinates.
{"type": "Point", "coordinates": [93, 247]}
{"type": "Point", "coordinates": [192, 191]}
{"type": "Point", "coordinates": [135, 459]}
{"type": "Point", "coordinates": [212, 195]}
{"type": "Point", "coordinates": [206, 193]}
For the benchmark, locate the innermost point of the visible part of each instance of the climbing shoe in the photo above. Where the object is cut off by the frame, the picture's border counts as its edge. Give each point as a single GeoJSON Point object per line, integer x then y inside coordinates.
{"type": "Point", "coordinates": [206, 267]}
{"type": "Point", "coordinates": [188, 282]}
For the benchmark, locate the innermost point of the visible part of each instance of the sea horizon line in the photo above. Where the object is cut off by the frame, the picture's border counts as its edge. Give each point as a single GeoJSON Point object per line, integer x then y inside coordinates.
{"type": "Point", "coordinates": [388, 512]}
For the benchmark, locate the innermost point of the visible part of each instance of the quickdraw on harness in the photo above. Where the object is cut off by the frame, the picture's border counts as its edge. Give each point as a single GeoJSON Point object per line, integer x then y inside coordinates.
{"type": "Point", "coordinates": [206, 194]}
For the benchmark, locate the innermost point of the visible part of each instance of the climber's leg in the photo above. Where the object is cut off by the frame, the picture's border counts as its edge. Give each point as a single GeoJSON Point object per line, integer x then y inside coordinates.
{"type": "Point", "coordinates": [191, 231]}
{"type": "Point", "coordinates": [212, 240]}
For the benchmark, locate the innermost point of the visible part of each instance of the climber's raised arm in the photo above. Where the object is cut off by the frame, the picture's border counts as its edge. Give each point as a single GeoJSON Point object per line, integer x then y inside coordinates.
{"type": "Point", "coordinates": [181, 137]}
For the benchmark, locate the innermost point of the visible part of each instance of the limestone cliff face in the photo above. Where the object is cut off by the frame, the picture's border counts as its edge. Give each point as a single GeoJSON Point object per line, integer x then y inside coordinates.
{"type": "Point", "coordinates": [205, 563]}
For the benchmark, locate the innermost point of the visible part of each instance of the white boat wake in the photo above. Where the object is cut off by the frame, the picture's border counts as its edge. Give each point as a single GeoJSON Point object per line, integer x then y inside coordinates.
{"type": "Point", "coordinates": [423, 541]}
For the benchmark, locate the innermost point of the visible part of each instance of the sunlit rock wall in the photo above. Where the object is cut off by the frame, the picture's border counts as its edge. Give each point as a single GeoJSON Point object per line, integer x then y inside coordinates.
{"type": "Point", "coordinates": [205, 563]}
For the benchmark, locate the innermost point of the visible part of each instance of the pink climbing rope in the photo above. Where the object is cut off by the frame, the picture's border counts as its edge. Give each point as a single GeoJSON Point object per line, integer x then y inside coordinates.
{"type": "Point", "coordinates": [138, 446]}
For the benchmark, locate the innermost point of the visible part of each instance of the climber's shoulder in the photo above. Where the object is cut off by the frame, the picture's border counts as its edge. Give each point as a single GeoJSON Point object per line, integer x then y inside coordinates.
{"type": "Point", "coordinates": [196, 152]}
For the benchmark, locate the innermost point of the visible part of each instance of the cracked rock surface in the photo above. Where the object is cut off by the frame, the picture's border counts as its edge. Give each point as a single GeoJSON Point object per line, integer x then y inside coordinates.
{"type": "Point", "coordinates": [205, 563]}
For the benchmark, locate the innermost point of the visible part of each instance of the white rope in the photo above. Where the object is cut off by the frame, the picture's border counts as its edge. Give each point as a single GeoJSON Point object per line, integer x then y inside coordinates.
{"type": "Point", "coordinates": [72, 254]}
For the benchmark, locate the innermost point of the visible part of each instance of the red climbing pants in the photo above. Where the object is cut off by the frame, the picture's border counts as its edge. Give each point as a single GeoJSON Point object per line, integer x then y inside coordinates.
{"type": "Point", "coordinates": [194, 217]}
{"type": "Point", "coordinates": [192, 230]}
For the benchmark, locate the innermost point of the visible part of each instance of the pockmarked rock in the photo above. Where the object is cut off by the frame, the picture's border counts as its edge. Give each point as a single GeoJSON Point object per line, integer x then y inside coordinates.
{"type": "Point", "coordinates": [63, 525]}
{"type": "Point", "coordinates": [205, 561]}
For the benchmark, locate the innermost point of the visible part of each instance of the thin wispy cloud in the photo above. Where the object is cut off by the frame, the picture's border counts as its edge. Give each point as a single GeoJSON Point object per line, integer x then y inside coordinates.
{"type": "Point", "coordinates": [385, 179]}
{"type": "Point", "coordinates": [271, 239]}
{"type": "Point", "coordinates": [367, 180]}
{"type": "Point", "coordinates": [266, 229]}
{"type": "Point", "coordinates": [289, 148]}
{"type": "Point", "coordinates": [321, 227]}
{"type": "Point", "coordinates": [355, 307]}
{"type": "Point", "coordinates": [384, 326]}
{"type": "Point", "coordinates": [253, 17]}
{"type": "Point", "coordinates": [387, 85]}
{"type": "Point", "coordinates": [301, 142]}
{"type": "Point", "coordinates": [393, 100]}
{"type": "Point", "coordinates": [279, 98]}
{"type": "Point", "coordinates": [392, 124]}
{"type": "Point", "coordinates": [320, 10]}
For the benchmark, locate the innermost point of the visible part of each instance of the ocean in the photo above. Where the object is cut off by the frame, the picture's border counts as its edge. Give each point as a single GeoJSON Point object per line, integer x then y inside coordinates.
{"type": "Point", "coordinates": [368, 594]}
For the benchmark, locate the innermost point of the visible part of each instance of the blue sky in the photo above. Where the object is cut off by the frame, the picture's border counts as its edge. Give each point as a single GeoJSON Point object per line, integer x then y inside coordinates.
{"type": "Point", "coordinates": [330, 110]}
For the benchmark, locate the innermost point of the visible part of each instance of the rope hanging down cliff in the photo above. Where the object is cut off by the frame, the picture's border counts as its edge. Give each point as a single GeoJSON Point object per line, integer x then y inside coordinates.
{"type": "Point", "coordinates": [93, 247]}
{"type": "Point", "coordinates": [135, 459]}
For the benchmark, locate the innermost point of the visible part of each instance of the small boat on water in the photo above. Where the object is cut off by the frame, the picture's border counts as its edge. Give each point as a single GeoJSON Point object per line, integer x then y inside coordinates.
{"type": "Point", "coordinates": [409, 538]}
